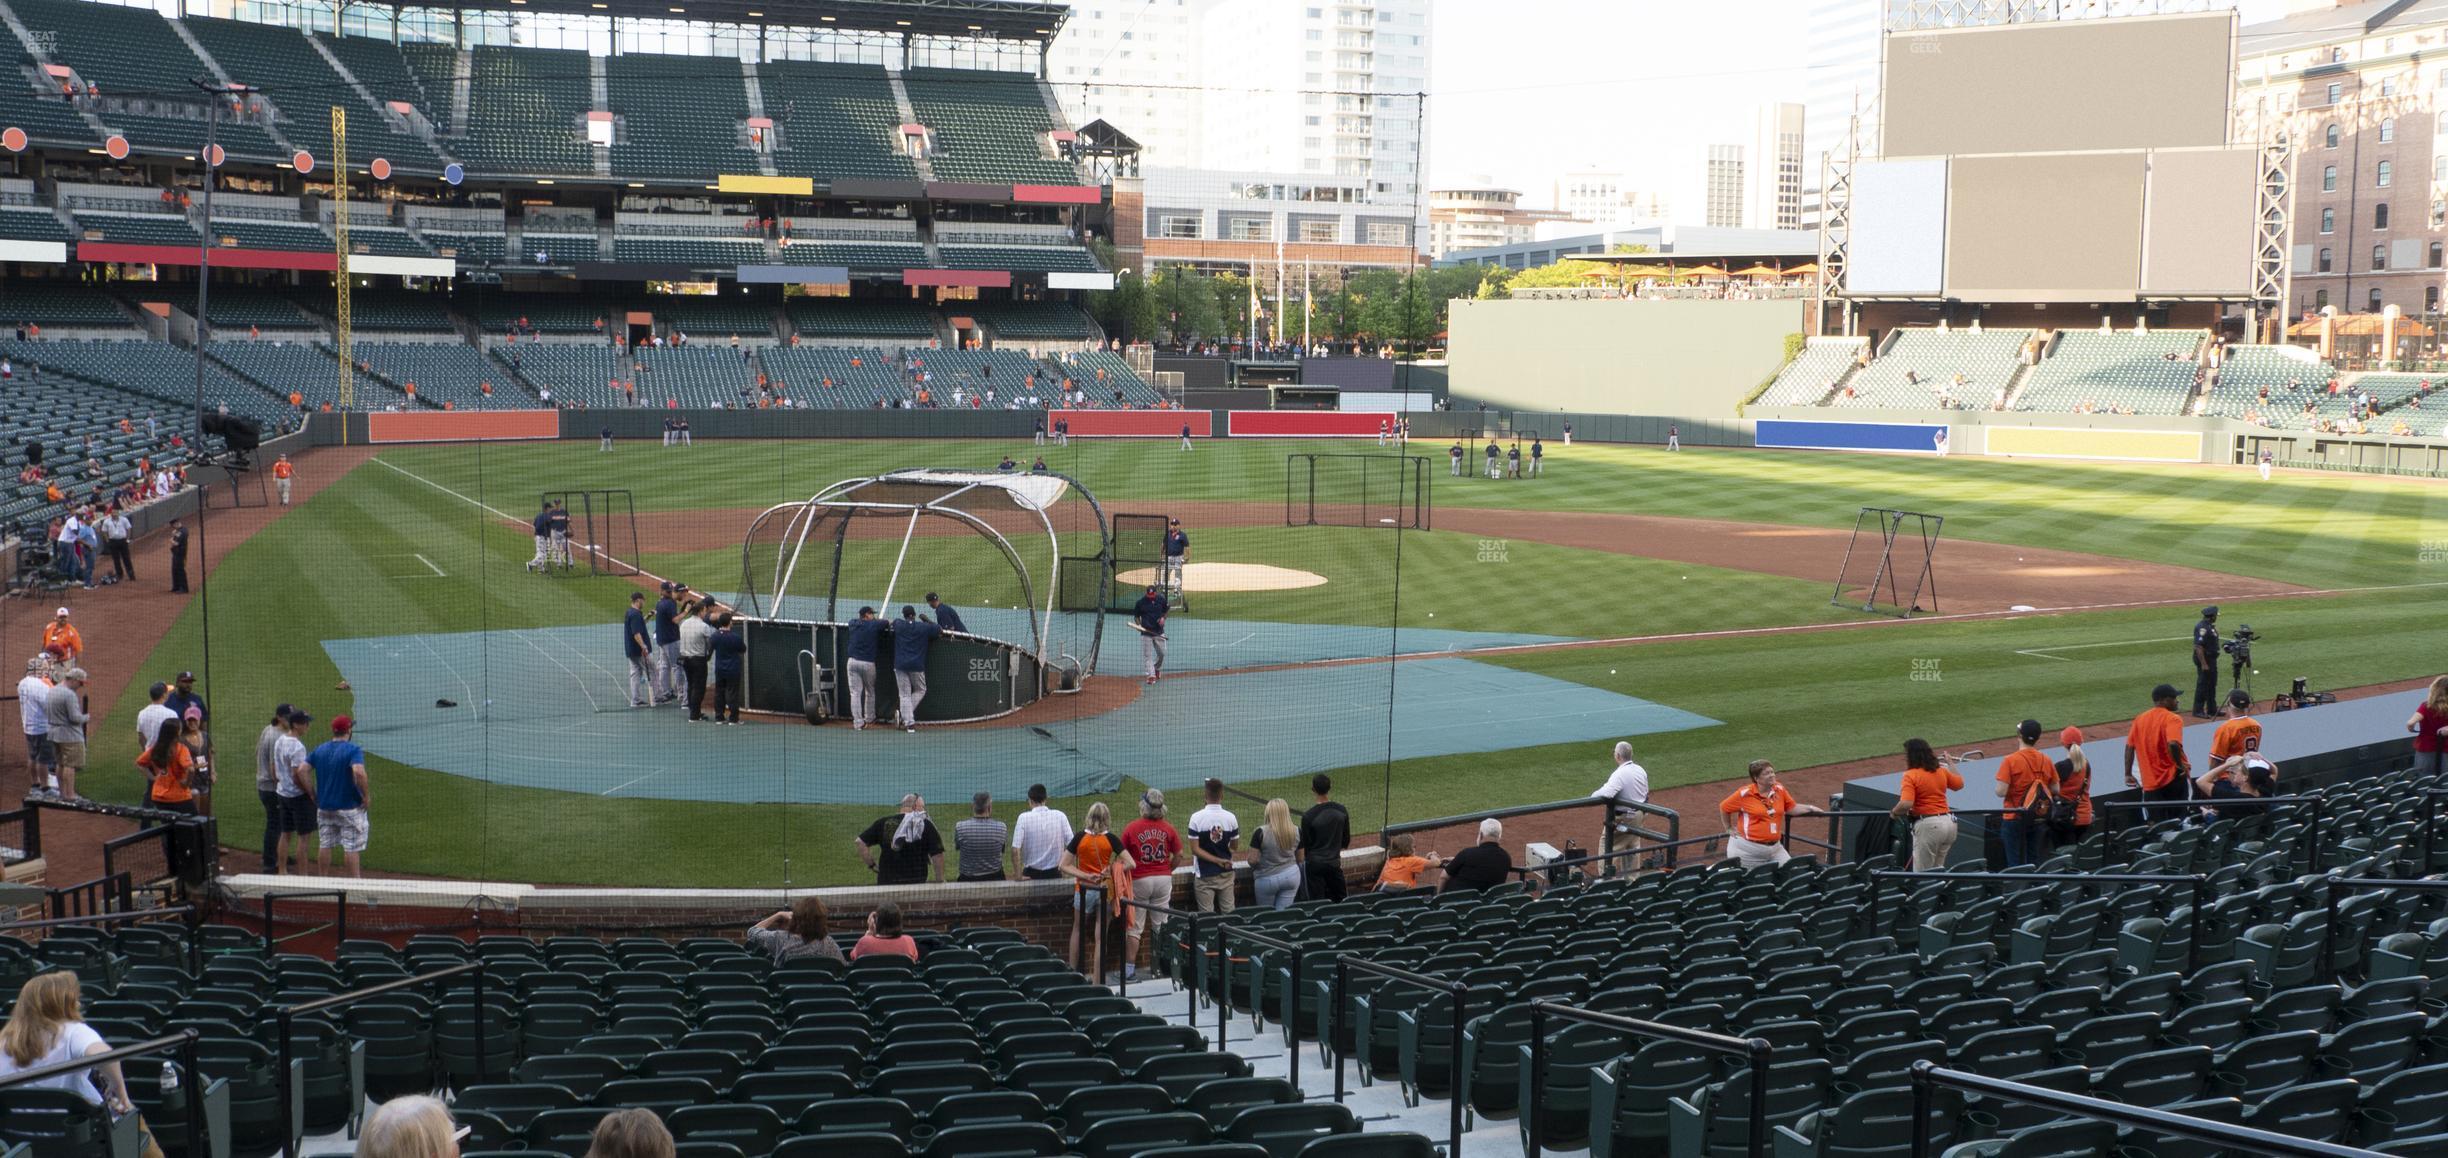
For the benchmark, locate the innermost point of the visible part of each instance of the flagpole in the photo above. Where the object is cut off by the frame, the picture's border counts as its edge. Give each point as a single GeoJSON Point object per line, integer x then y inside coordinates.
{"type": "Point", "coordinates": [1308, 303]}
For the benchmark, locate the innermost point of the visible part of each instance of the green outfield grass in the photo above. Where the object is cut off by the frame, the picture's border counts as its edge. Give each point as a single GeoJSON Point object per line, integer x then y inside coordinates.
{"type": "Point", "coordinates": [347, 564]}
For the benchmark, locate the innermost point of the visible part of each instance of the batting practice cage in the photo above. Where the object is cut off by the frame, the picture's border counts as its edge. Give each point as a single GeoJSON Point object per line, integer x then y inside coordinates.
{"type": "Point", "coordinates": [1112, 615]}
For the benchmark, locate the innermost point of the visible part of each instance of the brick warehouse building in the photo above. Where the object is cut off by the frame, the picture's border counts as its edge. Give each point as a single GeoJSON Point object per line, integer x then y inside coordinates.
{"type": "Point", "coordinates": [2362, 88]}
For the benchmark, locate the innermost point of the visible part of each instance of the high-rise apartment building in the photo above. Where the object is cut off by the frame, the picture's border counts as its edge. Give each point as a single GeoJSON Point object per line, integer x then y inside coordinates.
{"type": "Point", "coordinates": [1774, 171]}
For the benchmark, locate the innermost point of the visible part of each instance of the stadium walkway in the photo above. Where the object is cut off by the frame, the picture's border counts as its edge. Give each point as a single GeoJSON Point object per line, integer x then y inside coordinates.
{"type": "Point", "coordinates": [123, 623]}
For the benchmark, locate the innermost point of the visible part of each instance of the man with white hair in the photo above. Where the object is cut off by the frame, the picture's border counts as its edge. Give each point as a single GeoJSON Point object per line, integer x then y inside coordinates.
{"type": "Point", "coordinates": [1484, 865]}
{"type": "Point", "coordinates": [33, 700]}
{"type": "Point", "coordinates": [1628, 785]}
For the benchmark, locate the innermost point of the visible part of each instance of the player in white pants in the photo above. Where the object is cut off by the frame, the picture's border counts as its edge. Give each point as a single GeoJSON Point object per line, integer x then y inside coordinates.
{"type": "Point", "coordinates": [866, 634]}
{"type": "Point", "coordinates": [2265, 466]}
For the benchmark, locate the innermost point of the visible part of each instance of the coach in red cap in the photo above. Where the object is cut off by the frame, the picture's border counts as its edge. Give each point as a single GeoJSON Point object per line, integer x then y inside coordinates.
{"type": "Point", "coordinates": [340, 798]}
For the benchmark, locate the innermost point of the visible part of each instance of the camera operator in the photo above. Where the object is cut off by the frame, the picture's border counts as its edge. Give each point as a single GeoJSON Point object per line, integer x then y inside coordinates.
{"type": "Point", "coordinates": [2205, 665]}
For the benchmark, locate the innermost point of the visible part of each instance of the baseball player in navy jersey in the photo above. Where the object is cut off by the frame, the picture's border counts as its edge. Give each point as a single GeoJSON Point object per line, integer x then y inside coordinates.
{"type": "Point", "coordinates": [1176, 555]}
{"type": "Point", "coordinates": [1148, 618]}
{"type": "Point", "coordinates": [866, 633]}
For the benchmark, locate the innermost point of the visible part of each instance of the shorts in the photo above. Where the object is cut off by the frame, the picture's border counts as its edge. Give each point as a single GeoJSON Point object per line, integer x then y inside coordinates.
{"type": "Point", "coordinates": [297, 814]}
{"type": "Point", "coordinates": [70, 753]}
{"type": "Point", "coordinates": [1089, 903]}
{"type": "Point", "coordinates": [39, 752]}
{"type": "Point", "coordinates": [344, 830]}
{"type": "Point", "coordinates": [1153, 889]}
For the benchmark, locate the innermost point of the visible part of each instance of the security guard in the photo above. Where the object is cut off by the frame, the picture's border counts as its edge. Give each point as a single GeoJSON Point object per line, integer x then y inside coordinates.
{"type": "Point", "coordinates": [2205, 664]}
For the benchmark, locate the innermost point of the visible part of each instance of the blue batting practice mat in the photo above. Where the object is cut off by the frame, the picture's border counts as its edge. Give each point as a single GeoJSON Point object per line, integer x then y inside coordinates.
{"type": "Point", "coordinates": [547, 708]}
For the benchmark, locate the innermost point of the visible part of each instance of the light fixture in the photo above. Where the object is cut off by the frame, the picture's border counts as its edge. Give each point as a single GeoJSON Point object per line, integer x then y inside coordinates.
{"type": "Point", "coordinates": [977, 28]}
{"type": "Point", "coordinates": [637, 184]}
{"type": "Point", "coordinates": [679, 10]}
{"type": "Point", "coordinates": [756, 14]}
{"type": "Point", "coordinates": [902, 23]}
{"type": "Point", "coordinates": [543, 180]}
{"type": "Point", "coordinates": [828, 19]}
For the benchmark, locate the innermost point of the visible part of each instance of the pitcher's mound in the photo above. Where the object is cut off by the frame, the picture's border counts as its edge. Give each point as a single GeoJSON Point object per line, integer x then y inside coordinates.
{"type": "Point", "coordinates": [1197, 577]}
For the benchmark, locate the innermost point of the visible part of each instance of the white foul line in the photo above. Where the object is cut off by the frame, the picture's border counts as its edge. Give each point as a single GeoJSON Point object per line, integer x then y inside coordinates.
{"type": "Point", "coordinates": [2043, 652]}
{"type": "Point", "coordinates": [430, 566]}
{"type": "Point", "coordinates": [498, 512]}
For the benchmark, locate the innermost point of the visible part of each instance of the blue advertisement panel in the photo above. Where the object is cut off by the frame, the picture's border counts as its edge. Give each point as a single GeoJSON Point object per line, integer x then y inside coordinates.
{"type": "Point", "coordinates": [1912, 437]}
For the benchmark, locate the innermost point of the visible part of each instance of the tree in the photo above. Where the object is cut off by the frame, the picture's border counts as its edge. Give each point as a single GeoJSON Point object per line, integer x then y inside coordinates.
{"type": "Point", "coordinates": [1184, 304]}
{"type": "Point", "coordinates": [1567, 272]}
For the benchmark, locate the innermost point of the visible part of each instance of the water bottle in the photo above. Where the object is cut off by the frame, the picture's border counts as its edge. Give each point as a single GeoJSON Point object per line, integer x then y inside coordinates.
{"type": "Point", "coordinates": [169, 1078]}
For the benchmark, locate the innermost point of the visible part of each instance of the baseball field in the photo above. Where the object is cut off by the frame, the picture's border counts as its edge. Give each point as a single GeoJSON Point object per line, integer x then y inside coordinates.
{"type": "Point", "coordinates": [1679, 599]}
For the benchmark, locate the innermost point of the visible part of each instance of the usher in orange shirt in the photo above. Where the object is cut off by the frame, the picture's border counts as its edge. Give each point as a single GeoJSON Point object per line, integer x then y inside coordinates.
{"type": "Point", "coordinates": [1926, 790]}
{"type": "Point", "coordinates": [2148, 739]}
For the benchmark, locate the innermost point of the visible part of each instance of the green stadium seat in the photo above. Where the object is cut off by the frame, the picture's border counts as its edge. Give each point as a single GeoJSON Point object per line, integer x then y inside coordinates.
{"type": "Point", "coordinates": [1284, 1130]}
{"type": "Point", "coordinates": [1869, 1124]}
{"type": "Point", "coordinates": [1127, 1137]}
{"type": "Point", "coordinates": [1001, 1140]}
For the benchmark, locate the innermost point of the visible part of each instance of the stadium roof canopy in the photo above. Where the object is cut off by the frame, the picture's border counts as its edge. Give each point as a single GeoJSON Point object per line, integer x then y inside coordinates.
{"type": "Point", "coordinates": [1026, 20]}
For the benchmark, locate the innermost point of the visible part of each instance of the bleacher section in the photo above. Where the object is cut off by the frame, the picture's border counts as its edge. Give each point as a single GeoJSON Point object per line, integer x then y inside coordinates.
{"type": "Point", "coordinates": [680, 117]}
{"type": "Point", "coordinates": [1020, 258]}
{"type": "Point", "coordinates": [45, 116]}
{"type": "Point", "coordinates": [468, 248]}
{"type": "Point", "coordinates": [2291, 374]}
{"type": "Point", "coordinates": [61, 306]}
{"type": "Point", "coordinates": [1101, 373]}
{"type": "Point", "coordinates": [859, 318]}
{"type": "Point", "coordinates": [383, 69]}
{"type": "Point", "coordinates": [1932, 358]}
{"type": "Point", "coordinates": [860, 376]}
{"type": "Point", "coordinates": [704, 253]}
{"type": "Point", "coordinates": [61, 411]}
{"type": "Point", "coordinates": [1026, 321]}
{"type": "Point", "coordinates": [1807, 379]}
{"type": "Point", "coordinates": [383, 311]}
{"type": "Point", "coordinates": [556, 249]}
{"type": "Point", "coordinates": [285, 236]}
{"type": "Point", "coordinates": [162, 373]}
{"type": "Point", "coordinates": [137, 228]}
{"type": "Point", "coordinates": [32, 223]}
{"type": "Point", "coordinates": [433, 66]}
{"type": "Point", "coordinates": [385, 241]}
{"type": "Point", "coordinates": [836, 120]}
{"type": "Point", "coordinates": [706, 376]}
{"type": "Point", "coordinates": [446, 372]}
{"type": "Point", "coordinates": [857, 256]}
{"type": "Point", "coordinates": [562, 314]}
{"type": "Point", "coordinates": [526, 109]}
{"type": "Point", "coordinates": [987, 126]}
{"type": "Point", "coordinates": [304, 88]}
{"type": "Point", "coordinates": [2149, 372]}
{"type": "Point", "coordinates": [305, 369]}
{"type": "Point", "coordinates": [711, 317]}
{"type": "Point", "coordinates": [234, 308]}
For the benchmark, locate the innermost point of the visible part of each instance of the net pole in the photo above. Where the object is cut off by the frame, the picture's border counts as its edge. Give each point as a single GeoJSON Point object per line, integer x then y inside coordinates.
{"type": "Point", "coordinates": [343, 330]}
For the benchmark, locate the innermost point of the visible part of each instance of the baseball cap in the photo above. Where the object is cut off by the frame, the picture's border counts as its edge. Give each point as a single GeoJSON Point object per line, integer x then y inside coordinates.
{"type": "Point", "coordinates": [2210, 612]}
{"type": "Point", "coordinates": [2239, 698]}
{"type": "Point", "coordinates": [74, 673]}
{"type": "Point", "coordinates": [62, 613]}
{"type": "Point", "coordinates": [301, 716]}
{"type": "Point", "coordinates": [284, 711]}
{"type": "Point", "coordinates": [2030, 731]}
{"type": "Point", "coordinates": [2164, 692]}
{"type": "Point", "coordinates": [931, 597]}
{"type": "Point", "coordinates": [193, 713]}
{"type": "Point", "coordinates": [186, 677]}
{"type": "Point", "coordinates": [666, 585]}
{"type": "Point", "coordinates": [2070, 737]}
{"type": "Point", "coordinates": [341, 724]}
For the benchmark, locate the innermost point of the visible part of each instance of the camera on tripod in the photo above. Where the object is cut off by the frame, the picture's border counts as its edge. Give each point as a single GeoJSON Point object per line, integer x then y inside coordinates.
{"type": "Point", "coordinates": [2240, 644]}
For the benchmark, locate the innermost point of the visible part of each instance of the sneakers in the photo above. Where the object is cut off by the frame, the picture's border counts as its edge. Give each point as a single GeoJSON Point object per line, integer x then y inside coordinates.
{"type": "Point", "coordinates": [1130, 972]}
{"type": "Point", "coordinates": [912, 729]}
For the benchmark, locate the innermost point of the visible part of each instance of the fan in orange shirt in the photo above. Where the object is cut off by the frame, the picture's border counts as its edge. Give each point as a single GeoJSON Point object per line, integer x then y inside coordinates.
{"type": "Point", "coordinates": [2239, 734]}
{"type": "Point", "coordinates": [2026, 783]}
{"type": "Point", "coordinates": [2154, 754]}
{"type": "Point", "coordinates": [63, 635]}
{"type": "Point", "coordinates": [281, 474]}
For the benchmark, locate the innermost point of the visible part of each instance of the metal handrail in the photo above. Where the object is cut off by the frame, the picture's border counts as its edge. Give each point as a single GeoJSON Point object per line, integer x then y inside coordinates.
{"type": "Point", "coordinates": [1225, 931]}
{"type": "Point", "coordinates": [195, 946]}
{"type": "Point", "coordinates": [1674, 819]}
{"type": "Point", "coordinates": [286, 1017]}
{"type": "Point", "coordinates": [2329, 906]}
{"type": "Point", "coordinates": [1928, 1075]}
{"type": "Point", "coordinates": [2199, 883]}
{"type": "Point", "coordinates": [2312, 831]}
{"type": "Point", "coordinates": [1457, 990]}
{"type": "Point", "coordinates": [339, 923]}
{"type": "Point", "coordinates": [184, 1041]}
{"type": "Point", "coordinates": [2430, 822]}
{"type": "Point", "coordinates": [1754, 1049]}
{"type": "Point", "coordinates": [1122, 984]}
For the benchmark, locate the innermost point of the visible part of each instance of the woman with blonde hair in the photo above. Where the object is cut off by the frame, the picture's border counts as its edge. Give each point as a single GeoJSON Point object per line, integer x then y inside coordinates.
{"type": "Point", "coordinates": [1277, 842]}
{"type": "Point", "coordinates": [2429, 723]}
{"type": "Point", "coordinates": [47, 1027]}
{"type": "Point", "coordinates": [631, 1133]}
{"type": "Point", "coordinates": [415, 1126]}
{"type": "Point", "coordinates": [1092, 860]}
{"type": "Point", "coordinates": [795, 932]}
